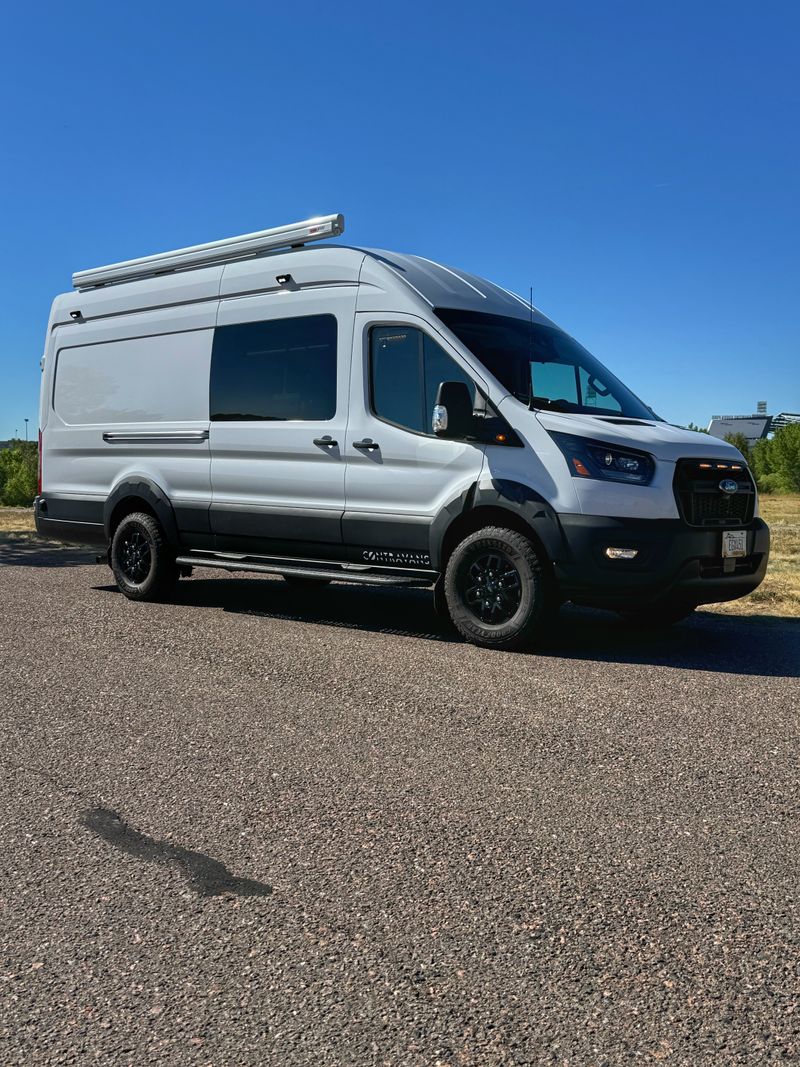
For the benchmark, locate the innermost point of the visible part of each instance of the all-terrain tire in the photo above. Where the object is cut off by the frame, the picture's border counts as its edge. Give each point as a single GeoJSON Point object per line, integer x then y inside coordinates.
{"type": "Point", "coordinates": [498, 589]}
{"type": "Point", "coordinates": [141, 558]}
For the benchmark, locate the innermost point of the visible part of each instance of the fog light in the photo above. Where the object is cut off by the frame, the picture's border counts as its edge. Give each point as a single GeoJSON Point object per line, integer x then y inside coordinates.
{"type": "Point", "coordinates": [622, 553]}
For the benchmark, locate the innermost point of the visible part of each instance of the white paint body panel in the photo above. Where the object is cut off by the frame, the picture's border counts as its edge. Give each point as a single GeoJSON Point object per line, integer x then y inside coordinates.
{"type": "Point", "coordinates": [135, 381]}
{"type": "Point", "coordinates": [411, 476]}
{"type": "Point", "coordinates": [155, 382]}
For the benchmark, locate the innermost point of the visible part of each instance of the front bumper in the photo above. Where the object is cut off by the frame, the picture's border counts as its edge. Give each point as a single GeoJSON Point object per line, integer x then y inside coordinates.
{"type": "Point", "coordinates": [675, 562]}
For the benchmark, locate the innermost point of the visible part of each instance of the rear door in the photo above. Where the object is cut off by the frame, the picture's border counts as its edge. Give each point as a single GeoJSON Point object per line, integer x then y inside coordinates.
{"type": "Point", "coordinates": [279, 397]}
{"type": "Point", "coordinates": [399, 475]}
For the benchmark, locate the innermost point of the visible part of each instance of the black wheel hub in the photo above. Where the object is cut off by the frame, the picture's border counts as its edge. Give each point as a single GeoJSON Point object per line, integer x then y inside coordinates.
{"type": "Point", "coordinates": [492, 588]}
{"type": "Point", "coordinates": [134, 556]}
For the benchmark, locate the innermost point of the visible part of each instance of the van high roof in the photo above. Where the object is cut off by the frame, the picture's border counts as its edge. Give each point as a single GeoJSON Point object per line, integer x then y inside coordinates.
{"type": "Point", "coordinates": [196, 273]}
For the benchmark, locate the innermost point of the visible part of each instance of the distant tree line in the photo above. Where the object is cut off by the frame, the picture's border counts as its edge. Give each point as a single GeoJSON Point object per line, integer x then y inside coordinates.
{"type": "Point", "coordinates": [19, 467]}
{"type": "Point", "coordinates": [774, 461]}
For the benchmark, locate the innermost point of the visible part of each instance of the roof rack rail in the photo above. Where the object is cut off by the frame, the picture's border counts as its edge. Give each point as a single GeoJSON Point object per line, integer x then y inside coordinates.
{"type": "Point", "coordinates": [215, 252]}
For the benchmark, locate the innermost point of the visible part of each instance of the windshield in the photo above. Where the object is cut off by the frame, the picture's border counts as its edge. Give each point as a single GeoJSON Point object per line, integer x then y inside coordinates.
{"type": "Point", "coordinates": [542, 366]}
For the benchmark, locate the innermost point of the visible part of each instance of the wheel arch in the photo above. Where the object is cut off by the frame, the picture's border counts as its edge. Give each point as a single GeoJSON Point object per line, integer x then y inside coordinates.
{"type": "Point", "coordinates": [138, 493]}
{"type": "Point", "coordinates": [509, 504]}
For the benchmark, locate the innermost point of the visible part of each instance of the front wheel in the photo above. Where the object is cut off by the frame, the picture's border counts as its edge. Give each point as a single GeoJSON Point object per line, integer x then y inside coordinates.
{"type": "Point", "coordinates": [141, 559]}
{"type": "Point", "coordinates": [498, 591]}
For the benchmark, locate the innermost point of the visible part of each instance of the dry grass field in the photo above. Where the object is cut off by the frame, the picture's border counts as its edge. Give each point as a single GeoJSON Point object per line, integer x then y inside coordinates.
{"type": "Point", "coordinates": [16, 520]}
{"type": "Point", "coordinates": [778, 595]}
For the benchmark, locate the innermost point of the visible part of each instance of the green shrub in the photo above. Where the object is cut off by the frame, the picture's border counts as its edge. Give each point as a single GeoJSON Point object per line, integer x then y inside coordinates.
{"type": "Point", "coordinates": [770, 483]}
{"type": "Point", "coordinates": [776, 462]}
{"type": "Point", "coordinates": [785, 455]}
{"type": "Point", "coordinates": [18, 474]}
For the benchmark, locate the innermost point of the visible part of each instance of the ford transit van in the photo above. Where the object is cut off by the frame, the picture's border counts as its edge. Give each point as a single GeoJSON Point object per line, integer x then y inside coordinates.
{"type": "Point", "coordinates": [329, 413]}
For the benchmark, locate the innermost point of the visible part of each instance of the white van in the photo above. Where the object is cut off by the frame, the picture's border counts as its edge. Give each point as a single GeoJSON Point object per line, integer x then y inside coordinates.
{"type": "Point", "coordinates": [343, 414]}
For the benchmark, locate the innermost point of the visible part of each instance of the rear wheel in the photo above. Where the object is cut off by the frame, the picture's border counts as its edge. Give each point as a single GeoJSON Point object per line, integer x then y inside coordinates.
{"type": "Point", "coordinates": [497, 589]}
{"type": "Point", "coordinates": [141, 559]}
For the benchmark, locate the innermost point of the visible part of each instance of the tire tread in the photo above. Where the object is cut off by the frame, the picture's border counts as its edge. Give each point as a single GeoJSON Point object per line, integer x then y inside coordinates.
{"type": "Point", "coordinates": [517, 633]}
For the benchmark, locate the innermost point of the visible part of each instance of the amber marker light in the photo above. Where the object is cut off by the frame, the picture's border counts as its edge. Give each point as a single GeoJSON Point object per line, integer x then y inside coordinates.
{"type": "Point", "coordinates": [580, 467]}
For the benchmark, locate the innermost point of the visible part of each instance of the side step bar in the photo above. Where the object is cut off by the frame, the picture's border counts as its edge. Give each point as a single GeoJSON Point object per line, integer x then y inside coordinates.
{"type": "Point", "coordinates": [329, 573]}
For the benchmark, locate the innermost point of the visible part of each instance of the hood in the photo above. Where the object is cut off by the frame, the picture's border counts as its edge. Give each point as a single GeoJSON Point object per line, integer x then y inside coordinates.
{"type": "Point", "coordinates": [660, 439]}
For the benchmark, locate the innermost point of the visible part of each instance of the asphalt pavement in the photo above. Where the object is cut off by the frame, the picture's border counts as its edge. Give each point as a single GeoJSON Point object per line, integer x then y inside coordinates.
{"type": "Point", "coordinates": [253, 826]}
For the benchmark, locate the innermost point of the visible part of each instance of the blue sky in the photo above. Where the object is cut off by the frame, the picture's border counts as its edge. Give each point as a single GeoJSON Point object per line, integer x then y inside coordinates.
{"type": "Point", "coordinates": [638, 163]}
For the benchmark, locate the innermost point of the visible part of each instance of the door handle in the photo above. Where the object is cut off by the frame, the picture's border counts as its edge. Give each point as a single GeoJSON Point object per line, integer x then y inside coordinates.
{"type": "Point", "coordinates": [326, 442]}
{"type": "Point", "coordinates": [367, 445]}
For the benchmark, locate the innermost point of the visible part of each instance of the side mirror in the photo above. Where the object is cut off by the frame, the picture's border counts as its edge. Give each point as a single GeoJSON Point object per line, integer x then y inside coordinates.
{"type": "Point", "coordinates": [452, 415]}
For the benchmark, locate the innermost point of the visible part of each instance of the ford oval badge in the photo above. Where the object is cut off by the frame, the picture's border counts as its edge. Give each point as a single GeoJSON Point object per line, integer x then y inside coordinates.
{"type": "Point", "coordinates": [728, 485]}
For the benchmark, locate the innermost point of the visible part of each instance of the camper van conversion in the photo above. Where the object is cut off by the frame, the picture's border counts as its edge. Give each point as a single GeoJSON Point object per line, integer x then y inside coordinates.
{"type": "Point", "coordinates": [329, 413]}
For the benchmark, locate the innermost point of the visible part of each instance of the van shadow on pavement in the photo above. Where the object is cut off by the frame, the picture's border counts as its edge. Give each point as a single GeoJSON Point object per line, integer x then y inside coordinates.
{"type": "Point", "coordinates": [28, 550]}
{"type": "Point", "coordinates": [744, 645]}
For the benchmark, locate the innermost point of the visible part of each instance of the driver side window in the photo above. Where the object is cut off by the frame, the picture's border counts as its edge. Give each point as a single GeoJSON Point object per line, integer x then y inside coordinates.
{"type": "Point", "coordinates": [406, 369]}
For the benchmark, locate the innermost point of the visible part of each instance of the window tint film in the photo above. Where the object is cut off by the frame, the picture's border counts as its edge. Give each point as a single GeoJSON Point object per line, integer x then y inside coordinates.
{"type": "Point", "coordinates": [284, 369]}
{"type": "Point", "coordinates": [407, 368]}
{"type": "Point", "coordinates": [439, 367]}
{"type": "Point", "coordinates": [396, 375]}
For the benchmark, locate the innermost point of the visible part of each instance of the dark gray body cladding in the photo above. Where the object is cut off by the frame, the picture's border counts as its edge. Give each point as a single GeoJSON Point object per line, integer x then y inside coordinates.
{"type": "Point", "coordinates": [675, 560]}
{"type": "Point", "coordinates": [71, 519]}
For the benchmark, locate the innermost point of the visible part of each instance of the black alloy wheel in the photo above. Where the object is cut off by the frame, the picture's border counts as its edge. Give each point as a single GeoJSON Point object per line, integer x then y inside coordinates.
{"type": "Point", "coordinates": [492, 588]}
{"type": "Point", "coordinates": [134, 555]}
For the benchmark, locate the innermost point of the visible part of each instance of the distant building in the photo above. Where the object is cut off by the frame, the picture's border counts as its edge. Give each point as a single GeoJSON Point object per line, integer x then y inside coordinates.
{"type": "Point", "coordinates": [784, 419]}
{"type": "Point", "coordinates": [752, 427]}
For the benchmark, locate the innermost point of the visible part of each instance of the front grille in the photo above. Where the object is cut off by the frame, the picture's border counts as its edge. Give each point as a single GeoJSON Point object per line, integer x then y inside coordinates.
{"type": "Point", "coordinates": [703, 503]}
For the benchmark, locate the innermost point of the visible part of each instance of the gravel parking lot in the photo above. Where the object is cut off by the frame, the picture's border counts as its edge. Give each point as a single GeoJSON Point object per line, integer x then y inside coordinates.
{"type": "Point", "coordinates": [257, 827]}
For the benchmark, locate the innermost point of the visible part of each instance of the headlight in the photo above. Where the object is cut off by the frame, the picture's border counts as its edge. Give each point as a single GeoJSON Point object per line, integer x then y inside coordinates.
{"type": "Point", "coordinates": [595, 459]}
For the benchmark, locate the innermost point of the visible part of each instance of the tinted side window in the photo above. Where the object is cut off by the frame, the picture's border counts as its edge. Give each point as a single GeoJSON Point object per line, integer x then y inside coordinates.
{"type": "Point", "coordinates": [396, 375]}
{"type": "Point", "coordinates": [278, 370]}
{"type": "Point", "coordinates": [406, 369]}
{"type": "Point", "coordinates": [439, 367]}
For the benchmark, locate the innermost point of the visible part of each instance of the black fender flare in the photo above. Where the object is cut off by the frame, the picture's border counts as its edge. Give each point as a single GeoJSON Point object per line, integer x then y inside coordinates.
{"type": "Point", "coordinates": [134, 485]}
{"type": "Point", "coordinates": [506, 495]}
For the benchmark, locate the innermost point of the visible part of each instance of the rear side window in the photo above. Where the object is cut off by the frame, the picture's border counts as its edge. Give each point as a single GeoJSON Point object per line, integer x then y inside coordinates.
{"type": "Point", "coordinates": [406, 369]}
{"type": "Point", "coordinates": [284, 369]}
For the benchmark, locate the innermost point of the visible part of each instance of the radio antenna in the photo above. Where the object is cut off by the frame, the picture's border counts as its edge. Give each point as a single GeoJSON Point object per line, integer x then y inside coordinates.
{"type": "Point", "coordinates": [530, 350]}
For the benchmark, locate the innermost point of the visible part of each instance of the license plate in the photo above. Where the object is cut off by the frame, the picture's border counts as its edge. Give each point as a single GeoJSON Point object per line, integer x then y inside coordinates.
{"type": "Point", "coordinates": [734, 543]}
